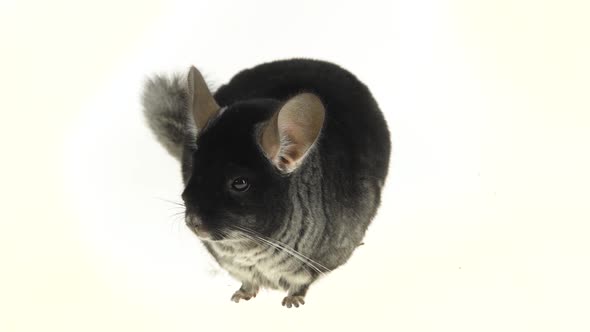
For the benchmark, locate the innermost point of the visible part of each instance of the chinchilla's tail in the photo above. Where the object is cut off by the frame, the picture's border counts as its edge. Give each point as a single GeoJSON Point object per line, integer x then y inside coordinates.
{"type": "Point", "coordinates": [165, 108]}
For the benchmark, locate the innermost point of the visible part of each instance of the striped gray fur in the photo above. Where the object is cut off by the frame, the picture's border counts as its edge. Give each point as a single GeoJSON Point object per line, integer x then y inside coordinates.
{"type": "Point", "coordinates": [307, 230]}
{"type": "Point", "coordinates": [306, 212]}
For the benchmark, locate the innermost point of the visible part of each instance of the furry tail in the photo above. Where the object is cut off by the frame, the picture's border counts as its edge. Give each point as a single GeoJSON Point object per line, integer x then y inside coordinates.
{"type": "Point", "coordinates": [165, 108]}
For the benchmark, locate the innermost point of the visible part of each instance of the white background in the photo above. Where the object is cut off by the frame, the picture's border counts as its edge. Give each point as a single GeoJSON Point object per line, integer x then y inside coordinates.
{"type": "Point", "coordinates": [484, 223]}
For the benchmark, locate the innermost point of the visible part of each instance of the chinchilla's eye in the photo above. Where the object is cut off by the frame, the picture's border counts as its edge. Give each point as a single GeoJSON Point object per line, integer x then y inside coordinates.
{"type": "Point", "coordinates": [240, 184]}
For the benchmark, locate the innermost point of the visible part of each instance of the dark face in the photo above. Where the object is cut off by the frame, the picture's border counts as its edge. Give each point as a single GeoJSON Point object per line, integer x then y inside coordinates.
{"type": "Point", "coordinates": [230, 184]}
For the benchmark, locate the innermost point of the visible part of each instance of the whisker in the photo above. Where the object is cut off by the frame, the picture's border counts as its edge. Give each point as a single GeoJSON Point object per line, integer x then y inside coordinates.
{"type": "Point", "coordinates": [236, 236]}
{"type": "Point", "coordinates": [269, 245]}
{"type": "Point", "coordinates": [169, 201]}
{"type": "Point", "coordinates": [286, 246]}
{"type": "Point", "coordinates": [281, 246]}
{"type": "Point", "coordinates": [223, 235]}
{"type": "Point", "coordinates": [295, 254]}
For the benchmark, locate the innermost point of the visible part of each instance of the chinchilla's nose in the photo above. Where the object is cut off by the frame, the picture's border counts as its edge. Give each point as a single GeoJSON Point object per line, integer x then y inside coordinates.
{"type": "Point", "coordinates": [196, 225]}
{"type": "Point", "coordinates": [193, 221]}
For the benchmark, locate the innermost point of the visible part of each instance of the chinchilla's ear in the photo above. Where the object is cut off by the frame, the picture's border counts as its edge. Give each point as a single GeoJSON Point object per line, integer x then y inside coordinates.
{"type": "Point", "coordinates": [201, 103]}
{"type": "Point", "coordinates": [288, 136]}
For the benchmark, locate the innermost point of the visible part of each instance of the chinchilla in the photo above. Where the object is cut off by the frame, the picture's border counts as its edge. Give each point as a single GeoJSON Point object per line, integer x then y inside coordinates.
{"type": "Point", "coordinates": [283, 168]}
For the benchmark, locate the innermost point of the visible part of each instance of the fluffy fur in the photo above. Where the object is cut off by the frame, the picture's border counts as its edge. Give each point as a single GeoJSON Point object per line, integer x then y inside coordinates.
{"type": "Point", "coordinates": [164, 103]}
{"type": "Point", "coordinates": [287, 229]}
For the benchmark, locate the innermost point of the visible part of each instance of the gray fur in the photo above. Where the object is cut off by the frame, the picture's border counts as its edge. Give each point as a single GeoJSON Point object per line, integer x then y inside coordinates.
{"type": "Point", "coordinates": [328, 200]}
{"type": "Point", "coordinates": [307, 231]}
{"type": "Point", "coordinates": [165, 108]}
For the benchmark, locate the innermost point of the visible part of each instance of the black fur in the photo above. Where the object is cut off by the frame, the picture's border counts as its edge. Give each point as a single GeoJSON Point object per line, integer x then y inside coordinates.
{"type": "Point", "coordinates": [321, 210]}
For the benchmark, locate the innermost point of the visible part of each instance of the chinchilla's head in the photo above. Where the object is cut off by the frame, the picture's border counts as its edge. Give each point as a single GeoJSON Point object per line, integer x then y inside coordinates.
{"type": "Point", "coordinates": [242, 159]}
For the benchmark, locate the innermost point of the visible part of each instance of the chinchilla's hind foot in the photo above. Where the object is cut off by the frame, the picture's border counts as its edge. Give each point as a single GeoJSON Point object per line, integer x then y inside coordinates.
{"type": "Point", "coordinates": [296, 296]}
{"type": "Point", "coordinates": [293, 300]}
{"type": "Point", "coordinates": [245, 292]}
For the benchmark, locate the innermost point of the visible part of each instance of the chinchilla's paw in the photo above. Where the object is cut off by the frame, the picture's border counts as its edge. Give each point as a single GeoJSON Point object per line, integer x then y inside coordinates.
{"type": "Point", "coordinates": [293, 300]}
{"type": "Point", "coordinates": [242, 295]}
